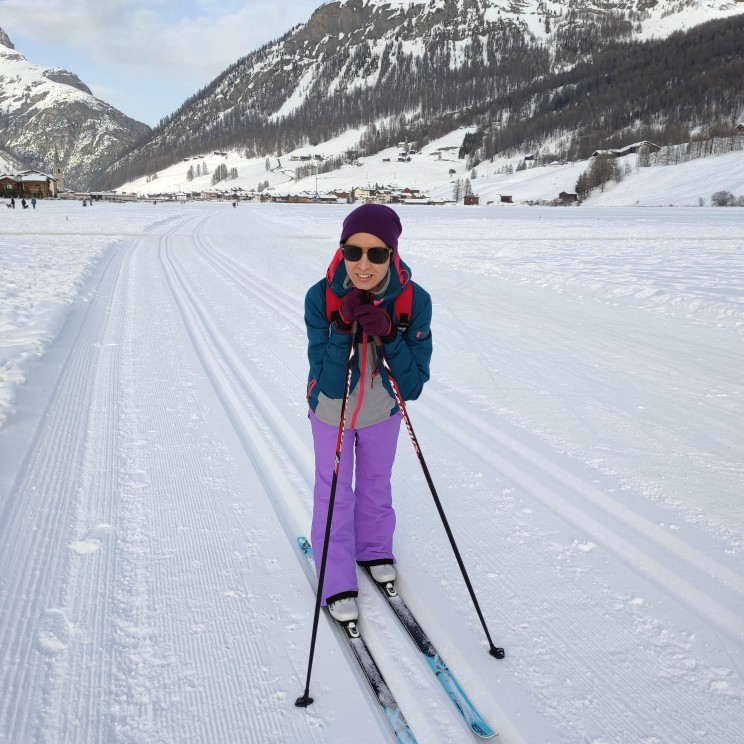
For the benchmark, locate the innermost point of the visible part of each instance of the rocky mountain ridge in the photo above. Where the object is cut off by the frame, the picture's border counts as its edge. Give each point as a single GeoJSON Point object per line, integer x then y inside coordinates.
{"type": "Point", "coordinates": [49, 113]}
{"type": "Point", "coordinates": [403, 69]}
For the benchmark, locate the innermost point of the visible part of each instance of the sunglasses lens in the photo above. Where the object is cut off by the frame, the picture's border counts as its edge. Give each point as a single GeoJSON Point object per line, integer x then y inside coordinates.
{"type": "Point", "coordinates": [378, 255]}
{"type": "Point", "coordinates": [351, 252]}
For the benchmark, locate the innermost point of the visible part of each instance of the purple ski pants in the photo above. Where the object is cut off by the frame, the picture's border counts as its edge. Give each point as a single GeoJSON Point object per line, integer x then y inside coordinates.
{"type": "Point", "coordinates": [363, 516]}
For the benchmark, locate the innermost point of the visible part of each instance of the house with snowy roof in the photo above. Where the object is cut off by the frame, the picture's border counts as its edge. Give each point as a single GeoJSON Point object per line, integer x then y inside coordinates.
{"type": "Point", "coordinates": [28, 184]}
{"type": "Point", "coordinates": [8, 183]}
{"type": "Point", "coordinates": [640, 148]}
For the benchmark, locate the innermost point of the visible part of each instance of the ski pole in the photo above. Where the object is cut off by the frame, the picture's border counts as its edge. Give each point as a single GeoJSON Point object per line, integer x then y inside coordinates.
{"type": "Point", "coordinates": [495, 651]}
{"type": "Point", "coordinates": [304, 700]}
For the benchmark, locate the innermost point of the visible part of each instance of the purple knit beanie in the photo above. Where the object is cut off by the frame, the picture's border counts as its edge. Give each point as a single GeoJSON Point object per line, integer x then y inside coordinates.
{"type": "Point", "coordinates": [375, 219]}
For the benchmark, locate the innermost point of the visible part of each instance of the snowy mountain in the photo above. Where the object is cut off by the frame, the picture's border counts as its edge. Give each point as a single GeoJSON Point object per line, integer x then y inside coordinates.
{"type": "Point", "coordinates": [407, 69]}
{"type": "Point", "coordinates": [9, 163]}
{"type": "Point", "coordinates": [49, 112]}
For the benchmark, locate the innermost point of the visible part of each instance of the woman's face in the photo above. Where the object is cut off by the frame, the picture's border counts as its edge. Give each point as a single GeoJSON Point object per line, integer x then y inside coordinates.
{"type": "Point", "coordinates": [363, 273]}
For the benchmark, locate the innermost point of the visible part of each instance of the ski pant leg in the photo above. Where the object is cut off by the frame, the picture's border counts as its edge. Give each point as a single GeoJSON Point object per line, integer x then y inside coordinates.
{"type": "Point", "coordinates": [340, 575]}
{"type": "Point", "coordinates": [375, 517]}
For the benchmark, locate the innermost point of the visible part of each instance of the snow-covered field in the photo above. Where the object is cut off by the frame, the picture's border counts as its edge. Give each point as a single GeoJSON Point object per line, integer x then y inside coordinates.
{"type": "Point", "coordinates": [429, 171]}
{"type": "Point", "coordinates": [584, 426]}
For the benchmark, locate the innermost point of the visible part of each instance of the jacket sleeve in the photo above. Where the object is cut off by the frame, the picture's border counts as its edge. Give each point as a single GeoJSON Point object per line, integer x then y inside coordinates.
{"type": "Point", "coordinates": [409, 353]}
{"type": "Point", "coordinates": [328, 348]}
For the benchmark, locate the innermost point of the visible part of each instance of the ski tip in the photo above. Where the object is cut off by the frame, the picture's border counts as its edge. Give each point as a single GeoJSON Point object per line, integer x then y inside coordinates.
{"type": "Point", "coordinates": [481, 729]}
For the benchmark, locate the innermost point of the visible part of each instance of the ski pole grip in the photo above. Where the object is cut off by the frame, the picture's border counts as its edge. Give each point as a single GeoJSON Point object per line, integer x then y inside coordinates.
{"type": "Point", "coordinates": [364, 296]}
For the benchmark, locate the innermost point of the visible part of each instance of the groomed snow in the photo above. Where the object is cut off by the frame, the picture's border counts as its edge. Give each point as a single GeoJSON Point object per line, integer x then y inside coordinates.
{"type": "Point", "coordinates": [583, 426]}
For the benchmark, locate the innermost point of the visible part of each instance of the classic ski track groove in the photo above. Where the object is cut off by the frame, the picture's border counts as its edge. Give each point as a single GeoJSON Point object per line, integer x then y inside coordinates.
{"type": "Point", "coordinates": [34, 613]}
{"type": "Point", "coordinates": [236, 273]}
{"type": "Point", "coordinates": [240, 393]}
{"type": "Point", "coordinates": [63, 603]}
{"type": "Point", "coordinates": [523, 461]}
{"type": "Point", "coordinates": [247, 651]}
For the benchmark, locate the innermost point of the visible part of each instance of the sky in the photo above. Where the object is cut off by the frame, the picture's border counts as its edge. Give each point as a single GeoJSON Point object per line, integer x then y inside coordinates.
{"type": "Point", "coordinates": [146, 57]}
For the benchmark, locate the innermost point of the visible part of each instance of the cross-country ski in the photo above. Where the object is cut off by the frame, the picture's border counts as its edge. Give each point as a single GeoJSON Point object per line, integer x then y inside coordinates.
{"type": "Point", "coordinates": [474, 720]}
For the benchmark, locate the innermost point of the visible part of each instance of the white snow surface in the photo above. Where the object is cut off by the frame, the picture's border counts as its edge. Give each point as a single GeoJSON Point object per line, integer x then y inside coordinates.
{"type": "Point", "coordinates": [584, 427]}
{"type": "Point", "coordinates": [682, 185]}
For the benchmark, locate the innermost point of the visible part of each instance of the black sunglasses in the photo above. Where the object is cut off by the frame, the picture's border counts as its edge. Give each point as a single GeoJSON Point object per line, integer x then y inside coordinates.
{"type": "Point", "coordinates": [377, 255]}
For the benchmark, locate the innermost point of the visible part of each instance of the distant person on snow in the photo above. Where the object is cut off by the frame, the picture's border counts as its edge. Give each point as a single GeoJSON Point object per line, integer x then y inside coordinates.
{"type": "Point", "coordinates": [362, 283]}
{"type": "Point", "coordinates": [33, 202]}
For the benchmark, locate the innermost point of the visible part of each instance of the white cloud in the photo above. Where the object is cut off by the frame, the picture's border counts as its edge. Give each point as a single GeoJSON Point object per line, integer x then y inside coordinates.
{"type": "Point", "coordinates": [146, 57]}
{"type": "Point", "coordinates": [193, 40]}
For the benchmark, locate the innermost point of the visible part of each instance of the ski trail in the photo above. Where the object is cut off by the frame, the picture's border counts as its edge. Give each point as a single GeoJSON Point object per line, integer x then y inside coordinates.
{"type": "Point", "coordinates": [487, 441]}
{"type": "Point", "coordinates": [162, 469]}
{"type": "Point", "coordinates": [640, 652]}
{"type": "Point", "coordinates": [258, 424]}
{"type": "Point", "coordinates": [116, 572]}
{"type": "Point", "coordinates": [289, 311]}
{"type": "Point", "coordinates": [669, 568]}
{"type": "Point", "coordinates": [195, 654]}
{"type": "Point", "coordinates": [528, 469]}
{"type": "Point", "coordinates": [51, 536]}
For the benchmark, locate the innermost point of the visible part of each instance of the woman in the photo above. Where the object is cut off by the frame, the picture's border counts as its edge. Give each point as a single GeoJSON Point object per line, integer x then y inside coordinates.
{"type": "Point", "coordinates": [362, 284]}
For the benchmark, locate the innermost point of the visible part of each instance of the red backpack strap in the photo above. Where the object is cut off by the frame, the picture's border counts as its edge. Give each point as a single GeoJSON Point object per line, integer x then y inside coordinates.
{"type": "Point", "coordinates": [404, 301]}
{"type": "Point", "coordinates": [403, 304]}
{"type": "Point", "coordinates": [337, 258]}
{"type": "Point", "coordinates": [332, 301]}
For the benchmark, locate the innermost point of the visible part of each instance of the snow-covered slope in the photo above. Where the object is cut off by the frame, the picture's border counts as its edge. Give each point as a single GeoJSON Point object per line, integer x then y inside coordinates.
{"type": "Point", "coordinates": [424, 64]}
{"type": "Point", "coordinates": [429, 171]}
{"type": "Point", "coordinates": [9, 163]}
{"type": "Point", "coordinates": [50, 111]}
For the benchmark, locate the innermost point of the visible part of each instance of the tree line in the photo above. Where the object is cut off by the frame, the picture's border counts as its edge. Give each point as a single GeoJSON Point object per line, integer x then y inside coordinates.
{"type": "Point", "coordinates": [662, 91]}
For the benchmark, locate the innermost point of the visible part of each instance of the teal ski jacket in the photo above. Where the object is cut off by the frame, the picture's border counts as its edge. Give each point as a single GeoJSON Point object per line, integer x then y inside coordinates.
{"type": "Point", "coordinates": [372, 398]}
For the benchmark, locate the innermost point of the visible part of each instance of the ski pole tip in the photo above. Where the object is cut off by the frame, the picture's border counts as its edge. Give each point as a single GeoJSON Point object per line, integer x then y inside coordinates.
{"type": "Point", "coordinates": [497, 653]}
{"type": "Point", "coordinates": [304, 701]}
